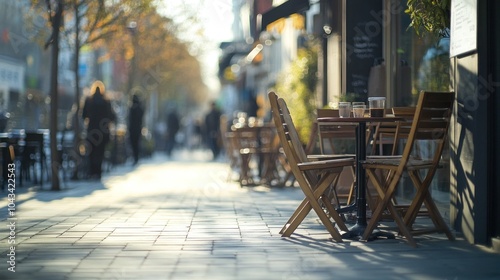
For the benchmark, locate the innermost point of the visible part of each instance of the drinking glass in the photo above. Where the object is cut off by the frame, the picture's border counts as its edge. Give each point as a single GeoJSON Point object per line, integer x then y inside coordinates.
{"type": "Point", "coordinates": [376, 106]}
{"type": "Point", "coordinates": [344, 109]}
{"type": "Point", "coordinates": [358, 110]}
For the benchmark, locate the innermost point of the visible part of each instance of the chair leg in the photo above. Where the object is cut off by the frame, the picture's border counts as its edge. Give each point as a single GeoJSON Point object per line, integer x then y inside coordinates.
{"type": "Point", "coordinates": [294, 215]}
{"type": "Point", "coordinates": [245, 169]}
{"type": "Point", "coordinates": [298, 216]}
{"type": "Point", "coordinates": [423, 196]}
{"type": "Point", "coordinates": [334, 214]}
{"type": "Point", "coordinates": [311, 202]}
{"type": "Point", "coordinates": [353, 186]}
{"type": "Point", "coordinates": [385, 195]}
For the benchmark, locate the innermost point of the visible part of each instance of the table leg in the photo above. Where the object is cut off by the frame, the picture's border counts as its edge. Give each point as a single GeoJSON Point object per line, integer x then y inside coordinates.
{"type": "Point", "coordinates": [359, 228]}
{"type": "Point", "coordinates": [356, 231]}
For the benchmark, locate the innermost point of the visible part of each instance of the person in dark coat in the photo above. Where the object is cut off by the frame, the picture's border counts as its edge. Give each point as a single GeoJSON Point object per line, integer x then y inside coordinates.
{"type": "Point", "coordinates": [212, 129]}
{"type": "Point", "coordinates": [98, 115]}
{"type": "Point", "coordinates": [173, 126]}
{"type": "Point", "coordinates": [136, 112]}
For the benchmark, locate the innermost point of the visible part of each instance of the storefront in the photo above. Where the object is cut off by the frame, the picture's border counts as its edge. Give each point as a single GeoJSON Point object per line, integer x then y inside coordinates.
{"type": "Point", "coordinates": [369, 50]}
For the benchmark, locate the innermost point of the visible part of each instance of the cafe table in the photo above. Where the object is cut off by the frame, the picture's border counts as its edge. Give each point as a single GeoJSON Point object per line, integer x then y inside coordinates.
{"type": "Point", "coordinates": [358, 229]}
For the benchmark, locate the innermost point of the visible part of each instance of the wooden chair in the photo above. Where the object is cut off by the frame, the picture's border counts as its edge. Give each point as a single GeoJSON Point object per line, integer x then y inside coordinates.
{"type": "Point", "coordinates": [329, 139]}
{"type": "Point", "coordinates": [255, 147]}
{"type": "Point", "coordinates": [245, 144]}
{"type": "Point", "coordinates": [430, 122]}
{"type": "Point", "coordinates": [314, 177]}
{"type": "Point", "coordinates": [8, 158]}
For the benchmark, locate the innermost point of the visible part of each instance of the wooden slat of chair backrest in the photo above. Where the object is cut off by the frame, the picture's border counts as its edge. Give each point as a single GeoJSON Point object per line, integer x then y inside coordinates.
{"type": "Point", "coordinates": [404, 112]}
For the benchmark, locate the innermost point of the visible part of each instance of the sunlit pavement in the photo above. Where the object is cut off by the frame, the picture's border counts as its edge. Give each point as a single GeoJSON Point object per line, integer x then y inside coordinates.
{"type": "Point", "coordinates": [180, 218]}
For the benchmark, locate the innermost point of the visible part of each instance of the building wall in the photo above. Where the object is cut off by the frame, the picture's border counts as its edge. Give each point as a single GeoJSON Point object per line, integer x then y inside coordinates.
{"type": "Point", "coordinates": [495, 46]}
{"type": "Point", "coordinates": [474, 145]}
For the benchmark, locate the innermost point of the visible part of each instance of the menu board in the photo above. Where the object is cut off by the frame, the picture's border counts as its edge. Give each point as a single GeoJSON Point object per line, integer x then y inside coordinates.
{"type": "Point", "coordinates": [363, 43]}
{"type": "Point", "coordinates": [463, 34]}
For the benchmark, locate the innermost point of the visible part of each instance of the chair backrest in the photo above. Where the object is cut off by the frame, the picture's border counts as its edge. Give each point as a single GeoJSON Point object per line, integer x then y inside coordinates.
{"type": "Point", "coordinates": [403, 127]}
{"type": "Point", "coordinates": [343, 131]}
{"type": "Point", "coordinates": [329, 134]}
{"type": "Point", "coordinates": [430, 122]}
{"type": "Point", "coordinates": [289, 138]}
{"type": "Point", "coordinates": [404, 112]}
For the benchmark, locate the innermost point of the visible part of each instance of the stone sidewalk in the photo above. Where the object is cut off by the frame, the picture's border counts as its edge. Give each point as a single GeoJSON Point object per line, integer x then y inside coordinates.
{"type": "Point", "coordinates": [181, 219]}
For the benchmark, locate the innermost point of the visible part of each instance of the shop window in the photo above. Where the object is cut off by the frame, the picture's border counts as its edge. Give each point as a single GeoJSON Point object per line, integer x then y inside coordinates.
{"type": "Point", "coordinates": [423, 63]}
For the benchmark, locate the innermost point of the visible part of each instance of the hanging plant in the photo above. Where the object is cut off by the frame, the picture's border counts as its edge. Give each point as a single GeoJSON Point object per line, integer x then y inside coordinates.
{"type": "Point", "coordinates": [430, 16]}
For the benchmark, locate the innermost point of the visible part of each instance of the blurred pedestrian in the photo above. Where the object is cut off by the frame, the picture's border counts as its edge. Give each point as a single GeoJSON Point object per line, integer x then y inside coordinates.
{"type": "Point", "coordinates": [136, 112]}
{"type": "Point", "coordinates": [173, 125]}
{"type": "Point", "coordinates": [212, 129]}
{"type": "Point", "coordinates": [98, 114]}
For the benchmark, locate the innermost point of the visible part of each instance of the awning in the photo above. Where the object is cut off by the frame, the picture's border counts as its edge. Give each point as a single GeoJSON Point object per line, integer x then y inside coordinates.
{"type": "Point", "coordinates": [282, 11]}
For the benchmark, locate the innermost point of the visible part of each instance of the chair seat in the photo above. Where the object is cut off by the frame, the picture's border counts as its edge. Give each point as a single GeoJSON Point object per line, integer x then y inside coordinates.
{"type": "Point", "coordinates": [325, 164]}
{"type": "Point", "coordinates": [327, 157]}
{"type": "Point", "coordinates": [393, 161]}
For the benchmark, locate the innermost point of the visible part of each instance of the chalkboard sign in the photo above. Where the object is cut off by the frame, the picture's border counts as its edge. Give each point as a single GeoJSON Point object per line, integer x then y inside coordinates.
{"type": "Point", "coordinates": [363, 39]}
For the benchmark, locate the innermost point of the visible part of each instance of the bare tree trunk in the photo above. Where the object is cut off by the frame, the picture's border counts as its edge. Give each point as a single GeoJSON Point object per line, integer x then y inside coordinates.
{"type": "Point", "coordinates": [54, 153]}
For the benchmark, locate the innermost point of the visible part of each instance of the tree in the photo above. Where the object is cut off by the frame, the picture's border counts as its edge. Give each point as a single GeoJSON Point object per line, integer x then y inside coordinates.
{"type": "Point", "coordinates": [98, 19]}
{"type": "Point", "coordinates": [92, 21]}
{"type": "Point", "coordinates": [162, 62]}
{"type": "Point", "coordinates": [55, 14]}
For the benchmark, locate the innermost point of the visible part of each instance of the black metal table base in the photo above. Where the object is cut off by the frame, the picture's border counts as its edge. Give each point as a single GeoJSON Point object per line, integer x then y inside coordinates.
{"type": "Point", "coordinates": [356, 233]}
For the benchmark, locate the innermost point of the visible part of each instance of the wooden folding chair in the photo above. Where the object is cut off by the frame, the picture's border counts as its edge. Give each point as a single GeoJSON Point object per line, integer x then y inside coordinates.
{"type": "Point", "coordinates": [430, 122]}
{"type": "Point", "coordinates": [314, 177]}
{"type": "Point", "coordinates": [330, 139]}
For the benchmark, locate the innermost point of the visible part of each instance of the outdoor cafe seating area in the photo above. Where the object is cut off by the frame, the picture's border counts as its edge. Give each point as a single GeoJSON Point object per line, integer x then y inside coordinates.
{"type": "Point", "coordinates": [352, 166]}
{"type": "Point", "coordinates": [29, 151]}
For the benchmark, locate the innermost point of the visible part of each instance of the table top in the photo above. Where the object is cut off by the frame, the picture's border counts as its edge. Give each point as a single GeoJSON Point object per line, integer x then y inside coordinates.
{"type": "Point", "coordinates": [359, 120]}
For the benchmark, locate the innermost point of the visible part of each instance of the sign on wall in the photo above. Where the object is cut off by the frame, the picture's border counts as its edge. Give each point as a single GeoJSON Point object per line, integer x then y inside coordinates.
{"type": "Point", "coordinates": [363, 44]}
{"type": "Point", "coordinates": [463, 34]}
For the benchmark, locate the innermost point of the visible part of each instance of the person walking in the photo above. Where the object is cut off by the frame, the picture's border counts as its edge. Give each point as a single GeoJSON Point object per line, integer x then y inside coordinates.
{"type": "Point", "coordinates": [212, 129]}
{"type": "Point", "coordinates": [136, 112]}
{"type": "Point", "coordinates": [97, 114]}
{"type": "Point", "coordinates": [173, 125]}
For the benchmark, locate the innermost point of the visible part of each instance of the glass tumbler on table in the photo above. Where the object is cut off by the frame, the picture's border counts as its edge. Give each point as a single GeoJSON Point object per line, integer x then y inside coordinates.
{"type": "Point", "coordinates": [358, 109]}
{"type": "Point", "coordinates": [376, 106]}
{"type": "Point", "coordinates": [344, 109]}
